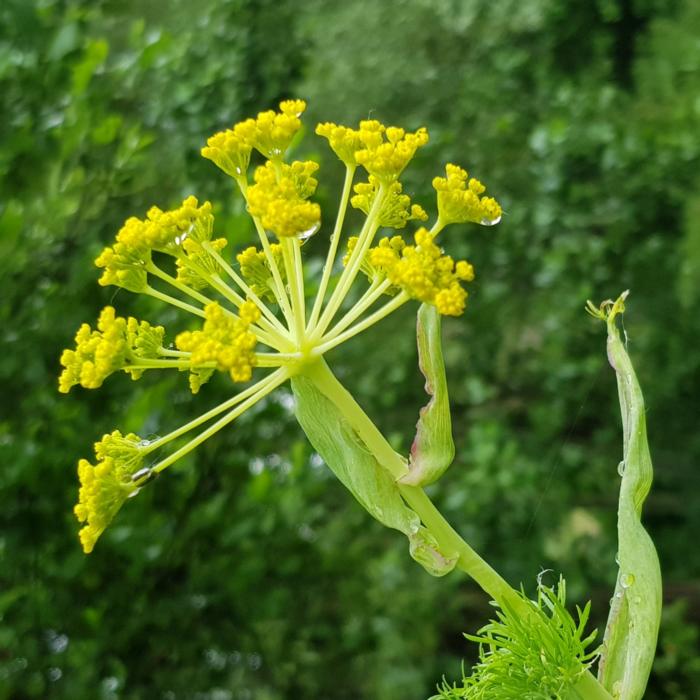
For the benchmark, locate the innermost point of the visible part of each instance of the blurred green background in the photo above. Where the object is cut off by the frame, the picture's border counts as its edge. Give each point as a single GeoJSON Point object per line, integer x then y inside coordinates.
{"type": "Point", "coordinates": [248, 573]}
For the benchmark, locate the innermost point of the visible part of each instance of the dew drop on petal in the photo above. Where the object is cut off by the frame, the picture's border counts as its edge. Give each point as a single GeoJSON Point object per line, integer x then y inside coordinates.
{"type": "Point", "coordinates": [627, 580]}
{"type": "Point", "coordinates": [490, 222]}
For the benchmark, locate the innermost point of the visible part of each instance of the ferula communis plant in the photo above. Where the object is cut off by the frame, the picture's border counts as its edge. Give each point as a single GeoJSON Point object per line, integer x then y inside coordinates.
{"type": "Point", "coordinates": [257, 324]}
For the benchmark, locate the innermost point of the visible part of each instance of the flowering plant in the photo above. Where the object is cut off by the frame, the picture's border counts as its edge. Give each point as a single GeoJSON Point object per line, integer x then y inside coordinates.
{"type": "Point", "coordinates": [257, 323]}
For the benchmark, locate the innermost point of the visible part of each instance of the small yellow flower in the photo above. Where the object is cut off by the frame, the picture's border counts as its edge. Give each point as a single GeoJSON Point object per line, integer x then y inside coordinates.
{"type": "Point", "coordinates": [396, 209]}
{"type": "Point", "coordinates": [459, 199]}
{"type": "Point", "coordinates": [106, 485]}
{"type": "Point", "coordinates": [274, 131]}
{"type": "Point", "coordinates": [224, 340]}
{"type": "Point", "coordinates": [344, 141]}
{"type": "Point", "coordinates": [117, 343]}
{"type": "Point", "coordinates": [387, 150]}
{"type": "Point", "coordinates": [279, 198]}
{"type": "Point", "coordinates": [231, 149]}
{"type": "Point", "coordinates": [167, 230]}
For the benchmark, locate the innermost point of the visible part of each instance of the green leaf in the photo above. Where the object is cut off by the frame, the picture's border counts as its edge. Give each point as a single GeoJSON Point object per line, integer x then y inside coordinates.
{"type": "Point", "coordinates": [635, 612]}
{"type": "Point", "coordinates": [433, 449]}
{"type": "Point", "coordinates": [356, 467]}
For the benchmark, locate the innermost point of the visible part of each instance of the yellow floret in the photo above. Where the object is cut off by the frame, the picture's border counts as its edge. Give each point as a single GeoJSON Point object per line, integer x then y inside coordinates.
{"type": "Point", "coordinates": [178, 232]}
{"type": "Point", "coordinates": [279, 198]}
{"type": "Point", "coordinates": [117, 343]}
{"type": "Point", "coordinates": [344, 141]}
{"type": "Point", "coordinates": [167, 230]}
{"type": "Point", "coordinates": [387, 151]}
{"type": "Point", "coordinates": [272, 132]}
{"type": "Point", "coordinates": [459, 199]}
{"type": "Point", "coordinates": [105, 486]}
{"type": "Point", "coordinates": [224, 340]}
{"type": "Point", "coordinates": [396, 208]}
{"type": "Point", "coordinates": [231, 149]}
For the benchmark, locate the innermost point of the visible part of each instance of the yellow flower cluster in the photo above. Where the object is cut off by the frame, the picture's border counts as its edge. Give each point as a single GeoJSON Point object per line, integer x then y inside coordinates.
{"type": "Point", "coordinates": [396, 208]}
{"type": "Point", "coordinates": [459, 200]}
{"type": "Point", "coordinates": [255, 269]}
{"type": "Point", "coordinates": [231, 149]}
{"type": "Point", "coordinates": [387, 150]}
{"type": "Point", "coordinates": [196, 261]}
{"type": "Point", "coordinates": [270, 133]}
{"type": "Point", "coordinates": [224, 340]}
{"type": "Point", "coordinates": [279, 198]}
{"type": "Point", "coordinates": [343, 140]}
{"type": "Point", "coordinates": [105, 486]}
{"type": "Point", "coordinates": [166, 230]}
{"type": "Point", "coordinates": [383, 151]}
{"type": "Point", "coordinates": [423, 271]}
{"type": "Point", "coordinates": [115, 344]}
{"type": "Point", "coordinates": [125, 263]}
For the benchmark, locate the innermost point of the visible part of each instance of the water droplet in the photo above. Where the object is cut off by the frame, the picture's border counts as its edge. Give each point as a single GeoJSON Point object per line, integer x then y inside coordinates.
{"type": "Point", "coordinates": [238, 171]}
{"type": "Point", "coordinates": [144, 475]}
{"type": "Point", "coordinates": [305, 235]}
{"type": "Point", "coordinates": [490, 222]}
{"type": "Point", "coordinates": [617, 558]}
{"type": "Point", "coordinates": [54, 674]}
{"type": "Point", "coordinates": [58, 643]}
{"type": "Point", "coordinates": [256, 466]}
{"type": "Point", "coordinates": [144, 443]}
{"type": "Point", "coordinates": [621, 468]}
{"type": "Point", "coordinates": [110, 684]}
{"type": "Point", "coordinates": [627, 580]}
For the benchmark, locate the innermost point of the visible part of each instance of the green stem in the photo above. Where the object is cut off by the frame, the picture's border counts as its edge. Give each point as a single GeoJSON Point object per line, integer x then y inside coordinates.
{"type": "Point", "coordinates": [213, 412]}
{"type": "Point", "coordinates": [331, 340]}
{"type": "Point", "coordinates": [161, 296]}
{"type": "Point", "coordinates": [347, 277]}
{"type": "Point", "coordinates": [333, 247]}
{"type": "Point", "coordinates": [275, 380]}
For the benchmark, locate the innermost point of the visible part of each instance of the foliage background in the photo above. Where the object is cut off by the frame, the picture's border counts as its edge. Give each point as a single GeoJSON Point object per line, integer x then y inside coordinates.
{"type": "Point", "coordinates": [248, 573]}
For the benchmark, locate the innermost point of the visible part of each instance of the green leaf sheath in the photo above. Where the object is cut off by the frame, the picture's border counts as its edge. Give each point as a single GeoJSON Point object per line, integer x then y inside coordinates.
{"type": "Point", "coordinates": [433, 449]}
{"type": "Point", "coordinates": [357, 468]}
{"type": "Point", "coordinates": [635, 612]}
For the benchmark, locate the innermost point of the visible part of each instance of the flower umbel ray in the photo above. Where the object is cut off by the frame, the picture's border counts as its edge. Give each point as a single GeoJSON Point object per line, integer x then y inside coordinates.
{"type": "Point", "coordinates": [251, 320]}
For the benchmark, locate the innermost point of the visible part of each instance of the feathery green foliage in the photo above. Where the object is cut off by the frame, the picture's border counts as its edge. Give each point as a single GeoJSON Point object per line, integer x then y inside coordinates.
{"type": "Point", "coordinates": [536, 653]}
